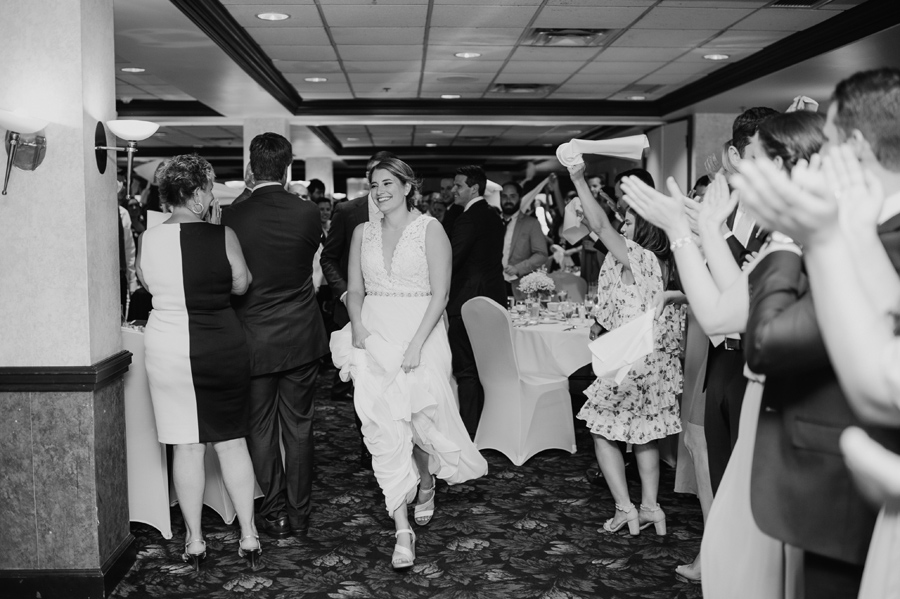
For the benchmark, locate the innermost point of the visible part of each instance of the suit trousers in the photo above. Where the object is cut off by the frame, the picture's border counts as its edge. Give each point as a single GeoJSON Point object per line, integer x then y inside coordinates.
{"type": "Point", "coordinates": [827, 578]}
{"type": "Point", "coordinates": [284, 400]}
{"type": "Point", "coordinates": [725, 386]}
{"type": "Point", "coordinates": [471, 393]}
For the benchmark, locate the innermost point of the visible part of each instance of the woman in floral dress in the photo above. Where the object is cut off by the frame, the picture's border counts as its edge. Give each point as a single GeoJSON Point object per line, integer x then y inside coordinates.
{"type": "Point", "coordinates": [643, 408]}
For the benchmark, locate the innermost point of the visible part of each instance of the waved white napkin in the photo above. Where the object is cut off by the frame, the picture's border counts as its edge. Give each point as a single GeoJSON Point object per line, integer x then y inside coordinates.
{"type": "Point", "coordinates": [492, 193]}
{"type": "Point", "coordinates": [528, 198]}
{"type": "Point", "coordinates": [616, 352]}
{"type": "Point", "coordinates": [573, 227]}
{"type": "Point", "coordinates": [630, 148]}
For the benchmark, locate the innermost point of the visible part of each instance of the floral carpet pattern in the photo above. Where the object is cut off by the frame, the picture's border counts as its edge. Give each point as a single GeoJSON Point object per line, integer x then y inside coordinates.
{"type": "Point", "coordinates": [521, 532]}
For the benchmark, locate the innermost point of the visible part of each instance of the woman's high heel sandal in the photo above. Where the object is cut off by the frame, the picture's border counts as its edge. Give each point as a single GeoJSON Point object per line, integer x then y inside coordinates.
{"type": "Point", "coordinates": [423, 512]}
{"type": "Point", "coordinates": [252, 555]}
{"type": "Point", "coordinates": [654, 516]}
{"type": "Point", "coordinates": [631, 519]}
{"type": "Point", "coordinates": [196, 556]}
{"type": "Point", "coordinates": [404, 558]}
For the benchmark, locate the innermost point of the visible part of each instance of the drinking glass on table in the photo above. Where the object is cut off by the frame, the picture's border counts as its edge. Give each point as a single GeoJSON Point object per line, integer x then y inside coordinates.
{"type": "Point", "coordinates": [568, 309]}
{"type": "Point", "coordinates": [563, 295]}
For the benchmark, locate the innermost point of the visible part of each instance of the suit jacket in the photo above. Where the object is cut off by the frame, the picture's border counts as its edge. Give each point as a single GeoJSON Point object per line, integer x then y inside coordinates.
{"type": "Point", "coordinates": [336, 251]}
{"type": "Point", "coordinates": [801, 491]}
{"type": "Point", "coordinates": [477, 243]}
{"type": "Point", "coordinates": [528, 250]}
{"type": "Point", "coordinates": [279, 235]}
{"type": "Point", "coordinates": [450, 216]}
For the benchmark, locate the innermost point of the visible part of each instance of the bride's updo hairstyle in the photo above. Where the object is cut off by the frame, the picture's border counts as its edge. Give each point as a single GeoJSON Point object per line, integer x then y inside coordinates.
{"type": "Point", "coordinates": [181, 176]}
{"type": "Point", "coordinates": [792, 136]}
{"type": "Point", "coordinates": [403, 173]}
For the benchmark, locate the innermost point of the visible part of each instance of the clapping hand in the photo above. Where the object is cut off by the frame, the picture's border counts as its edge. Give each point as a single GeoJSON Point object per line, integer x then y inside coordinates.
{"type": "Point", "coordinates": [665, 212]}
{"type": "Point", "coordinates": [214, 216]}
{"type": "Point", "coordinates": [859, 193]}
{"type": "Point", "coordinates": [717, 204]}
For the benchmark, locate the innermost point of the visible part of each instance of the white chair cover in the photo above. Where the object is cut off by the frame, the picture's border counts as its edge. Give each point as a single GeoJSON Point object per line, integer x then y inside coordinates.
{"type": "Point", "coordinates": [523, 413]}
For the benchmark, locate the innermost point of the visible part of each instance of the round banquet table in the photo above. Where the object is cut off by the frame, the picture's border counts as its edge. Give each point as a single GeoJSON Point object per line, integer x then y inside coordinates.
{"type": "Point", "coordinates": [550, 349]}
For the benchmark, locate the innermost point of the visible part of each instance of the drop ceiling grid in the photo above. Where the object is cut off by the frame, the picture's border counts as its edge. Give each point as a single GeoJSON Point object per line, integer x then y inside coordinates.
{"type": "Point", "coordinates": [373, 45]}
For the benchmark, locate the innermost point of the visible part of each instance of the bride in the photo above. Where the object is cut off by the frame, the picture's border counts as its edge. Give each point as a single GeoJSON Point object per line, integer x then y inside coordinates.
{"type": "Point", "coordinates": [396, 351]}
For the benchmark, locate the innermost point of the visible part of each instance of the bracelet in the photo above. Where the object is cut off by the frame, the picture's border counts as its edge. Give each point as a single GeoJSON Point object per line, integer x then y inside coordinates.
{"type": "Point", "coordinates": [681, 242]}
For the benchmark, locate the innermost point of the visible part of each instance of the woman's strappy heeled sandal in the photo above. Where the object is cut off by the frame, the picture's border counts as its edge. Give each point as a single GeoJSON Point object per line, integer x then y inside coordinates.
{"type": "Point", "coordinates": [404, 558]}
{"type": "Point", "coordinates": [423, 512]}
{"type": "Point", "coordinates": [654, 516]}
{"type": "Point", "coordinates": [251, 555]}
{"type": "Point", "coordinates": [631, 519]}
{"type": "Point", "coordinates": [195, 557]}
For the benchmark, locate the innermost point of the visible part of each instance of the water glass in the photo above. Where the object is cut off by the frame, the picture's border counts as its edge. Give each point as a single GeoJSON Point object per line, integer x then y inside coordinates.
{"type": "Point", "coordinates": [568, 308]}
{"type": "Point", "coordinates": [511, 303]}
{"type": "Point", "coordinates": [534, 309]}
{"type": "Point", "coordinates": [563, 295]}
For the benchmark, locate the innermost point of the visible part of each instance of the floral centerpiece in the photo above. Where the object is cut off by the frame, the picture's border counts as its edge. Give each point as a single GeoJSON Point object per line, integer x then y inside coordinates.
{"type": "Point", "coordinates": [537, 284]}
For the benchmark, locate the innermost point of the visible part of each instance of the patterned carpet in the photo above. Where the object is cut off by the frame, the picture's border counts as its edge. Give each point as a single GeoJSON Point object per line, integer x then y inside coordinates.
{"type": "Point", "coordinates": [522, 532]}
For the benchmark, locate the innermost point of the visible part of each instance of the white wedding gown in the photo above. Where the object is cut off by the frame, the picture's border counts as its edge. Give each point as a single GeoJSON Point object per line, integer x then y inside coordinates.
{"type": "Point", "coordinates": [398, 409]}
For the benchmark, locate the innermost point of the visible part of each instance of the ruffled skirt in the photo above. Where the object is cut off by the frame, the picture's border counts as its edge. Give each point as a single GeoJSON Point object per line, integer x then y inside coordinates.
{"type": "Point", "coordinates": [399, 410]}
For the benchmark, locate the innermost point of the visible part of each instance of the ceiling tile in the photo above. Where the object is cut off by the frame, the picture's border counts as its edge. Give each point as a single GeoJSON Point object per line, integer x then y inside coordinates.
{"type": "Point", "coordinates": [308, 67]}
{"type": "Point", "coordinates": [784, 19]}
{"type": "Point", "coordinates": [611, 78]}
{"type": "Point", "coordinates": [747, 39]}
{"type": "Point", "coordinates": [327, 96]}
{"type": "Point", "coordinates": [540, 53]}
{"type": "Point", "coordinates": [588, 16]}
{"type": "Point", "coordinates": [481, 15]}
{"type": "Point", "coordinates": [601, 90]}
{"type": "Point", "coordinates": [644, 3]}
{"type": "Point", "coordinates": [266, 3]}
{"type": "Point", "coordinates": [276, 36]}
{"type": "Point", "coordinates": [376, 53]}
{"type": "Point", "coordinates": [373, 78]}
{"type": "Point", "coordinates": [553, 78]}
{"type": "Point", "coordinates": [601, 67]}
{"type": "Point", "coordinates": [386, 88]}
{"type": "Point", "coordinates": [487, 53]}
{"type": "Point", "coordinates": [383, 66]}
{"type": "Point", "coordinates": [658, 38]}
{"type": "Point", "coordinates": [300, 53]}
{"type": "Point", "coordinates": [301, 15]}
{"type": "Point", "coordinates": [657, 79]}
{"type": "Point", "coordinates": [439, 65]}
{"type": "Point", "coordinates": [375, 15]}
{"type": "Point", "coordinates": [454, 78]}
{"type": "Point", "coordinates": [491, 2]}
{"type": "Point", "coordinates": [685, 68]}
{"type": "Point", "coordinates": [455, 88]}
{"type": "Point", "coordinates": [528, 66]}
{"type": "Point", "coordinates": [734, 54]}
{"type": "Point", "coordinates": [614, 54]}
{"type": "Point", "coordinates": [691, 18]}
{"type": "Point", "coordinates": [378, 35]}
{"type": "Point", "coordinates": [715, 3]}
{"type": "Point", "coordinates": [379, 2]}
{"type": "Point", "coordinates": [485, 36]}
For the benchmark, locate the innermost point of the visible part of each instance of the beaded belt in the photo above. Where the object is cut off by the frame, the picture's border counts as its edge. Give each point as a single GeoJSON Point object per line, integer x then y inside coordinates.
{"type": "Point", "coordinates": [399, 294]}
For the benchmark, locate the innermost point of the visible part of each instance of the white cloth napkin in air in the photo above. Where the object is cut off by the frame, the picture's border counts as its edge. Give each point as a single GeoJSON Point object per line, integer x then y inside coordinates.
{"type": "Point", "coordinates": [630, 148]}
{"type": "Point", "coordinates": [615, 352]}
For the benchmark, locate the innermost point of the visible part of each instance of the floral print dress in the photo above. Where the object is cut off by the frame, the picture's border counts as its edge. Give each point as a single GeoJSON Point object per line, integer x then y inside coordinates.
{"type": "Point", "coordinates": [644, 407]}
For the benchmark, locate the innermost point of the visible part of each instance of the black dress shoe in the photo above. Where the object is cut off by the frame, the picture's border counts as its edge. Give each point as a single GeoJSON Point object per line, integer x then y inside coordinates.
{"type": "Point", "coordinates": [278, 527]}
{"type": "Point", "coordinates": [300, 526]}
{"type": "Point", "coordinates": [594, 476]}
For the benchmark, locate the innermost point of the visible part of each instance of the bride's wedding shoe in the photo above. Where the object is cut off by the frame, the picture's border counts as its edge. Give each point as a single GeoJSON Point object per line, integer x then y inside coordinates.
{"type": "Point", "coordinates": [252, 555]}
{"type": "Point", "coordinates": [404, 558]}
{"type": "Point", "coordinates": [631, 519]}
{"type": "Point", "coordinates": [654, 516]}
{"type": "Point", "coordinates": [194, 556]}
{"type": "Point", "coordinates": [423, 512]}
{"type": "Point", "coordinates": [689, 572]}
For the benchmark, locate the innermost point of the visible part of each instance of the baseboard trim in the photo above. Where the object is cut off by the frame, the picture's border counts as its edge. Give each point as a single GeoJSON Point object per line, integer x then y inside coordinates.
{"type": "Point", "coordinates": [64, 378]}
{"type": "Point", "coordinates": [70, 584]}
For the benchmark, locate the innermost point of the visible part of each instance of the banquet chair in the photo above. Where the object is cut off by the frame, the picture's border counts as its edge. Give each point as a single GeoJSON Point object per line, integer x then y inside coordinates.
{"type": "Point", "coordinates": [524, 413]}
{"type": "Point", "coordinates": [571, 283]}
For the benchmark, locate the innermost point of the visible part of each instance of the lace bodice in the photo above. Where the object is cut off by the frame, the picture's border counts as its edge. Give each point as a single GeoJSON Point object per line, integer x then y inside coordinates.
{"type": "Point", "coordinates": [408, 269]}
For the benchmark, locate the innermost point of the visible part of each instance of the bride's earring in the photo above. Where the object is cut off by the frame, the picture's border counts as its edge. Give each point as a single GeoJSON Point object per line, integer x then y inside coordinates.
{"type": "Point", "coordinates": [197, 208]}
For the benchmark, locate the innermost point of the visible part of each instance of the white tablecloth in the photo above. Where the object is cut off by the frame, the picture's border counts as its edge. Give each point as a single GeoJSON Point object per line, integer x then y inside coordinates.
{"type": "Point", "coordinates": [149, 492]}
{"type": "Point", "coordinates": [548, 349]}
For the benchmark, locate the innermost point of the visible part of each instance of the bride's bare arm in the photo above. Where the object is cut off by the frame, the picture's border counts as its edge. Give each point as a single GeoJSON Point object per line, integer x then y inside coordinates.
{"type": "Point", "coordinates": [440, 260]}
{"type": "Point", "coordinates": [356, 289]}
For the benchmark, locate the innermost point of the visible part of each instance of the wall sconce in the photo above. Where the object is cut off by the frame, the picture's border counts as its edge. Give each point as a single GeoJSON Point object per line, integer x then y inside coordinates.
{"type": "Point", "coordinates": [20, 130]}
{"type": "Point", "coordinates": [132, 132]}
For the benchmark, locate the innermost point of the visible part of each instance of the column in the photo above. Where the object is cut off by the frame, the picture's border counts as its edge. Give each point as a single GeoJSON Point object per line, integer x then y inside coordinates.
{"type": "Point", "coordinates": [322, 169]}
{"type": "Point", "coordinates": [710, 131]}
{"type": "Point", "coordinates": [63, 488]}
{"type": "Point", "coordinates": [255, 126]}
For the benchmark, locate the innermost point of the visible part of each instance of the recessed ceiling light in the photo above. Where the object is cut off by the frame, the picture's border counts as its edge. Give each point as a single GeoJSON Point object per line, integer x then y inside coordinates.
{"type": "Point", "coordinates": [437, 131]}
{"type": "Point", "coordinates": [316, 79]}
{"type": "Point", "coordinates": [352, 139]}
{"type": "Point", "coordinates": [273, 16]}
{"type": "Point", "coordinates": [449, 96]}
{"type": "Point", "coordinates": [430, 145]}
{"type": "Point", "coordinates": [574, 131]}
{"type": "Point", "coordinates": [637, 97]}
{"type": "Point", "coordinates": [467, 54]}
{"type": "Point", "coordinates": [133, 70]}
{"type": "Point", "coordinates": [716, 56]}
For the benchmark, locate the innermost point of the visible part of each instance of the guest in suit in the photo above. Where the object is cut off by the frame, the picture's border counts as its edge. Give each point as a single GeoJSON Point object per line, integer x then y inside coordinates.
{"type": "Point", "coordinates": [280, 236]}
{"type": "Point", "coordinates": [524, 245]}
{"type": "Point", "coordinates": [477, 243]}
{"type": "Point", "coordinates": [451, 209]}
{"type": "Point", "coordinates": [248, 189]}
{"type": "Point", "coordinates": [797, 461]}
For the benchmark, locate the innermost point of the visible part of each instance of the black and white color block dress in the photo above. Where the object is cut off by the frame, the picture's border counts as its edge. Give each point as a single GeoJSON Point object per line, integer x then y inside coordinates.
{"type": "Point", "coordinates": [197, 358]}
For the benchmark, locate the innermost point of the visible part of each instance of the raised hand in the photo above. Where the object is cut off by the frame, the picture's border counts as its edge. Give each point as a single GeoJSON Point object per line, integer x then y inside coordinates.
{"type": "Point", "coordinates": [717, 204]}
{"type": "Point", "coordinates": [657, 208]}
{"type": "Point", "coordinates": [576, 170]}
{"type": "Point", "coordinates": [214, 216]}
{"type": "Point", "coordinates": [858, 193]}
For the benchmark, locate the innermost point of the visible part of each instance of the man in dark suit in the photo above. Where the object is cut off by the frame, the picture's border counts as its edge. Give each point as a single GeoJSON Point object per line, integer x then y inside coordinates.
{"type": "Point", "coordinates": [524, 244]}
{"type": "Point", "coordinates": [801, 491]}
{"type": "Point", "coordinates": [334, 261]}
{"type": "Point", "coordinates": [451, 209]}
{"type": "Point", "coordinates": [477, 243]}
{"type": "Point", "coordinates": [725, 383]}
{"type": "Point", "coordinates": [279, 236]}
